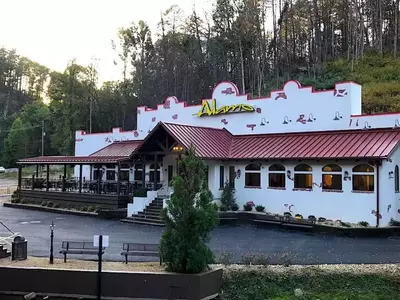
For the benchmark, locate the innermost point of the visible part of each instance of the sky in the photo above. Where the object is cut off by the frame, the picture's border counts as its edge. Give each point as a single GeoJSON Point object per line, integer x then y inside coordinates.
{"type": "Point", "coordinates": [53, 32]}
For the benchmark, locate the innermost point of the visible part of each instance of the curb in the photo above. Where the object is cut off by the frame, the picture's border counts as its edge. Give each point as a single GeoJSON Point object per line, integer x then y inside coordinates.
{"type": "Point", "coordinates": [48, 209]}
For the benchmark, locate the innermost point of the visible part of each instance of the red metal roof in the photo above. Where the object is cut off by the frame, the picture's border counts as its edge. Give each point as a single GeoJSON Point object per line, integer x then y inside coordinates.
{"type": "Point", "coordinates": [69, 160]}
{"type": "Point", "coordinates": [345, 144]}
{"type": "Point", "coordinates": [208, 142]}
{"type": "Point", "coordinates": [313, 145]}
{"type": "Point", "coordinates": [109, 154]}
{"type": "Point", "coordinates": [118, 149]}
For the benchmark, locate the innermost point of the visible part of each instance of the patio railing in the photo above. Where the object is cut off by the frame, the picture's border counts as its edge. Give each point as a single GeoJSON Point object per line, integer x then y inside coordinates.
{"type": "Point", "coordinates": [126, 188]}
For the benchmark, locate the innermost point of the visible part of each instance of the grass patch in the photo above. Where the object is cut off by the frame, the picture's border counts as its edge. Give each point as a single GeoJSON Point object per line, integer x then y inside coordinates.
{"type": "Point", "coordinates": [274, 283]}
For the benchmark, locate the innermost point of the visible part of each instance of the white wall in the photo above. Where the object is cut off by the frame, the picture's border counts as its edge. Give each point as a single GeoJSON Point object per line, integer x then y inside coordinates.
{"type": "Point", "coordinates": [389, 199]}
{"type": "Point", "coordinates": [347, 206]}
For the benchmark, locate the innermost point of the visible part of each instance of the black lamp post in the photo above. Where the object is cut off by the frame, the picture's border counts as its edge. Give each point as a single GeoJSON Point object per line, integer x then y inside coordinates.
{"type": "Point", "coordinates": [51, 242]}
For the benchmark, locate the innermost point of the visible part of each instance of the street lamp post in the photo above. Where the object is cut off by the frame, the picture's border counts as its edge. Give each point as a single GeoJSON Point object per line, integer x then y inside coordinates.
{"type": "Point", "coordinates": [51, 242]}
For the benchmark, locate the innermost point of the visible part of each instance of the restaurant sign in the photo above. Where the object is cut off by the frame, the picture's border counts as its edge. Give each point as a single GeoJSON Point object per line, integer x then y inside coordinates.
{"type": "Point", "coordinates": [212, 110]}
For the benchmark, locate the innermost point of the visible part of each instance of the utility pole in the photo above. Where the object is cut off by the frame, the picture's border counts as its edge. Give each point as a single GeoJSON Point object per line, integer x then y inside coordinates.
{"type": "Point", "coordinates": [43, 134]}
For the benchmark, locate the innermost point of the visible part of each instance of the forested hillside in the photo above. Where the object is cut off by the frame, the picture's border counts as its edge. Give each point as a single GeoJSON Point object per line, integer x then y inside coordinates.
{"type": "Point", "coordinates": [316, 42]}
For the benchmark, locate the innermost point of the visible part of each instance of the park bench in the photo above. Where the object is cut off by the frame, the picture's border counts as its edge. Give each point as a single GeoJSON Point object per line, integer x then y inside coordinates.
{"type": "Point", "coordinates": [87, 248]}
{"type": "Point", "coordinates": [140, 249]}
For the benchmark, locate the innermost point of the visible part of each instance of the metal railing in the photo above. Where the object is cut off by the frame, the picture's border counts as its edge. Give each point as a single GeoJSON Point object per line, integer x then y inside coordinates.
{"type": "Point", "coordinates": [7, 237]}
{"type": "Point", "coordinates": [108, 187]}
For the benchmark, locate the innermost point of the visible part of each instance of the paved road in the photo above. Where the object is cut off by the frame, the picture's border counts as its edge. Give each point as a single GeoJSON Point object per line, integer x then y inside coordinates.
{"type": "Point", "coordinates": [304, 248]}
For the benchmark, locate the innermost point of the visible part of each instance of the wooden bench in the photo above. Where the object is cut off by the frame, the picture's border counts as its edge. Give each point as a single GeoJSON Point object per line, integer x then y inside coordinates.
{"type": "Point", "coordinates": [69, 247]}
{"type": "Point", "coordinates": [138, 249]}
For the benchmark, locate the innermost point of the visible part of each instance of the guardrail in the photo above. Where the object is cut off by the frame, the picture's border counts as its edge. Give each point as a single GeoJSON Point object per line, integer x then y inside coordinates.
{"type": "Point", "coordinates": [8, 190]}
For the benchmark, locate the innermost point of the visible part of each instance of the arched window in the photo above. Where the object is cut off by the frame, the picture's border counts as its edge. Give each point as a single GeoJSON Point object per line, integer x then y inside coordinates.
{"type": "Point", "coordinates": [363, 178]}
{"type": "Point", "coordinates": [139, 173]}
{"type": "Point", "coordinates": [253, 175]}
{"type": "Point", "coordinates": [158, 172]}
{"type": "Point", "coordinates": [276, 176]}
{"type": "Point", "coordinates": [396, 179]}
{"type": "Point", "coordinates": [303, 177]}
{"type": "Point", "coordinates": [332, 177]}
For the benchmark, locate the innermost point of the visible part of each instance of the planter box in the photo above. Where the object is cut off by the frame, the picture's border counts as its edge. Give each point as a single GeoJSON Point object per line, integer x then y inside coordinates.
{"type": "Point", "coordinates": [55, 282]}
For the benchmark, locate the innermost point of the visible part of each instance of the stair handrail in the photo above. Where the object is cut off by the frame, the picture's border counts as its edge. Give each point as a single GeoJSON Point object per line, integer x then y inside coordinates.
{"type": "Point", "coordinates": [1, 223]}
{"type": "Point", "coordinates": [5, 240]}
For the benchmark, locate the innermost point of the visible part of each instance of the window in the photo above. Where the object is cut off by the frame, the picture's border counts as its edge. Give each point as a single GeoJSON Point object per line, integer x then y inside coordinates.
{"type": "Point", "coordinates": [158, 171]}
{"type": "Point", "coordinates": [253, 176]}
{"type": "Point", "coordinates": [396, 179]}
{"type": "Point", "coordinates": [110, 175]}
{"type": "Point", "coordinates": [363, 178]}
{"type": "Point", "coordinates": [138, 175]}
{"type": "Point", "coordinates": [124, 175]}
{"type": "Point", "coordinates": [332, 177]}
{"type": "Point", "coordinates": [277, 176]}
{"type": "Point", "coordinates": [303, 177]}
{"type": "Point", "coordinates": [232, 176]}
{"type": "Point", "coordinates": [221, 177]}
{"type": "Point", "coordinates": [96, 174]}
{"type": "Point", "coordinates": [109, 166]}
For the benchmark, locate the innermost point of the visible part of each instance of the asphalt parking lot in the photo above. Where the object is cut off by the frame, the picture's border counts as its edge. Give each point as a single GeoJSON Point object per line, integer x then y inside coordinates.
{"type": "Point", "coordinates": [303, 248]}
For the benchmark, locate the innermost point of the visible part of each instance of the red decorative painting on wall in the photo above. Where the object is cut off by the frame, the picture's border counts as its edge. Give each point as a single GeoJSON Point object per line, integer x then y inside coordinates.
{"type": "Point", "coordinates": [224, 121]}
{"type": "Point", "coordinates": [301, 119]}
{"type": "Point", "coordinates": [340, 93]}
{"type": "Point", "coordinates": [252, 126]}
{"type": "Point", "coordinates": [281, 95]}
{"type": "Point", "coordinates": [167, 104]}
{"type": "Point", "coordinates": [153, 119]}
{"type": "Point", "coordinates": [228, 91]}
{"type": "Point", "coordinates": [175, 116]}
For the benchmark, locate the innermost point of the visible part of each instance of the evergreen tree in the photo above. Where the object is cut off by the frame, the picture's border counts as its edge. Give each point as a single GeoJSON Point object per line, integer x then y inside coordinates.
{"type": "Point", "coordinates": [190, 217]}
{"type": "Point", "coordinates": [228, 199]}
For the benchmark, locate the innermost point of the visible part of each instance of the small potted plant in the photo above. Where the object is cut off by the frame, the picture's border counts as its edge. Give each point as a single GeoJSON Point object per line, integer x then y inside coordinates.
{"type": "Point", "coordinates": [260, 208]}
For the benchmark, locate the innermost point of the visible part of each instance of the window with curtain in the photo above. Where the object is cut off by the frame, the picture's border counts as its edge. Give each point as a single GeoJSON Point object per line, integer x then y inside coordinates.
{"type": "Point", "coordinates": [396, 179]}
{"type": "Point", "coordinates": [253, 175]}
{"type": "Point", "coordinates": [363, 178]}
{"type": "Point", "coordinates": [332, 178]}
{"type": "Point", "coordinates": [277, 176]}
{"type": "Point", "coordinates": [303, 177]}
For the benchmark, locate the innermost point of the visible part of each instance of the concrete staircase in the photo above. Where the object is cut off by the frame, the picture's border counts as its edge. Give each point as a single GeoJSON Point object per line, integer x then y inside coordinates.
{"type": "Point", "coordinates": [151, 215]}
{"type": "Point", "coordinates": [4, 252]}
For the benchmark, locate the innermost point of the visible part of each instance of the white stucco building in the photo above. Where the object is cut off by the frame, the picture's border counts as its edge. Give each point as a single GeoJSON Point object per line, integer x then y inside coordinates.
{"type": "Point", "coordinates": [299, 150]}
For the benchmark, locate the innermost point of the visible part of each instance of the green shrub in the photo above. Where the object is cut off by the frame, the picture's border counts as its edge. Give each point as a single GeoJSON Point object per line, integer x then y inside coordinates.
{"type": "Point", "coordinates": [183, 248]}
{"type": "Point", "coordinates": [97, 208]}
{"type": "Point", "coordinates": [287, 214]}
{"type": "Point", "coordinates": [84, 208]}
{"type": "Point", "coordinates": [363, 224]}
{"type": "Point", "coordinates": [345, 224]}
{"type": "Point", "coordinates": [44, 203]}
{"type": "Point", "coordinates": [312, 218]}
{"type": "Point", "coordinates": [50, 204]}
{"type": "Point", "coordinates": [91, 208]}
{"type": "Point", "coordinates": [260, 208]}
{"type": "Point", "coordinates": [321, 219]}
{"type": "Point", "coordinates": [57, 205]}
{"type": "Point", "coordinates": [393, 222]}
{"type": "Point", "coordinates": [23, 201]}
{"type": "Point", "coordinates": [235, 207]}
{"type": "Point", "coordinates": [223, 208]}
{"type": "Point", "coordinates": [247, 207]}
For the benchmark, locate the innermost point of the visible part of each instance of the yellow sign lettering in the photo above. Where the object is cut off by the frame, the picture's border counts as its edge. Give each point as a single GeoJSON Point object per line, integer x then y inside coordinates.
{"type": "Point", "coordinates": [214, 111]}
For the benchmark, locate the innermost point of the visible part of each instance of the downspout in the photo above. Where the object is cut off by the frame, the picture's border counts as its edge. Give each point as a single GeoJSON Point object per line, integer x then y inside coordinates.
{"type": "Point", "coordinates": [378, 163]}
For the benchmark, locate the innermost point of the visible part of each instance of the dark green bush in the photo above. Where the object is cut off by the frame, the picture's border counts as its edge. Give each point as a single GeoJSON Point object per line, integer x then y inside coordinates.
{"type": "Point", "coordinates": [247, 207]}
{"type": "Point", "coordinates": [57, 205]}
{"type": "Point", "coordinates": [84, 208]}
{"type": "Point", "coordinates": [228, 198]}
{"type": "Point", "coordinates": [393, 222]}
{"type": "Point", "coordinates": [223, 208]}
{"type": "Point", "coordinates": [363, 224]}
{"type": "Point", "coordinates": [260, 208]}
{"type": "Point", "coordinates": [44, 203]}
{"type": "Point", "coordinates": [235, 207]}
{"type": "Point", "coordinates": [50, 204]}
{"type": "Point", "coordinates": [91, 208]}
